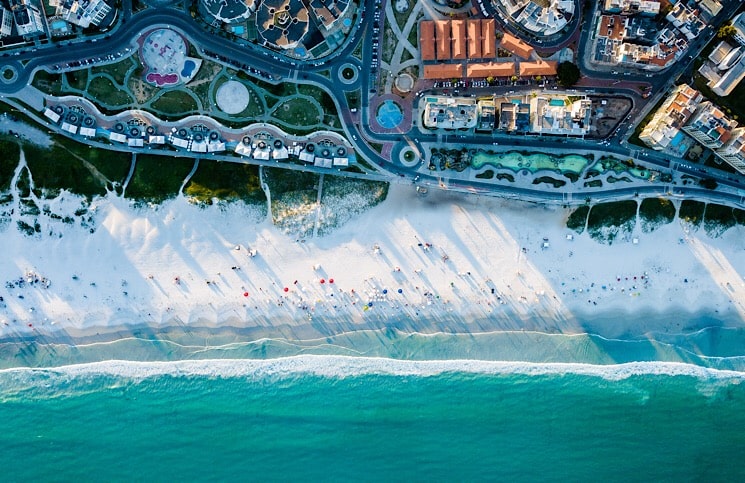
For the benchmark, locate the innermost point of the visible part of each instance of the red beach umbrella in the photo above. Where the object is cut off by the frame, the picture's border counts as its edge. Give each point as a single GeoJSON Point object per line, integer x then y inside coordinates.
{"type": "Point", "coordinates": [287, 289]}
{"type": "Point", "coordinates": [331, 280]}
{"type": "Point", "coordinates": [323, 280]}
{"type": "Point", "coordinates": [245, 294]}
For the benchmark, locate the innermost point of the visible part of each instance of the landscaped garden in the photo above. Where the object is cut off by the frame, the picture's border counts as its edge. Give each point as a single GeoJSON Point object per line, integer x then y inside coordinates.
{"type": "Point", "coordinates": [609, 222]}
{"type": "Point", "coordinates": [118, 86]}
{"type": "Point", "coordinates": [533, 162]}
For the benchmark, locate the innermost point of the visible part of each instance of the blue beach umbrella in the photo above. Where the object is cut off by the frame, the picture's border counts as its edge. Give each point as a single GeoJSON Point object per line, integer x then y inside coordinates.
{"type": "Point", "coordinates": [400, 291]}
{"type": "Point", "coordinates": [385, 291]}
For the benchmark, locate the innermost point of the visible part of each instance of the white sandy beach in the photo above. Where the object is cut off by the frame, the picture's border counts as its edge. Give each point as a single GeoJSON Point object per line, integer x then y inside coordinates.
{"type": "Point", "coordinates": [442, 263]}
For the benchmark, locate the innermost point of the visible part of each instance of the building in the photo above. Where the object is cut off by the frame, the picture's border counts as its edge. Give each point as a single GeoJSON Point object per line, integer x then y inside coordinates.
{"type": "Point", "coordinates": [709, 9]}
{"type": "Point", "coordinates": [739, 23]}
{"type": "Point", "coordinates": [328, 12]}
{"type": "Point", "coordinates": [449, 112]}
{"type": "Point", "coordinates": [6, 22]}
{"type": "Point", "coordinates": [457, 39]}
{"type": "Point", "coordinates": [733, 152]}
{"type": "Point", "coordinates": [282, 23]}
{"type": "Point", "coordinates": [560, 115]}
{"type": "Point", "coordinates": [538, 68]}
{"type": "Point", "coordinates": [686, 20]}
{"type": "Point", "coordinates": [427, 40]}
{"type": "Point", "coordinates": [516, 46]}
{"type": "Point", "coordinates": [490, 69]}
{"type": "Point", "coordinates": [474, 38]}
{"type": "Point", "coordinates": [458, 33]}
{"type": "Point", "coordinates": [83, 13]}
{"type": "Point", "coordinates": [443, 71]}
{"type": "Point", "coordinates": [442, 36]}
{"type": "Point", "coordinates": [664, 130]}
{"type": "Point", "coordinates": [542, 17]}
{"type": "Point", "coordinates": [27, 18]}
{"type": "Point", "coordinates": [724, 68]}
{"type": "Point", "coordinates": [229, 11]}
{"type": "Point", "coordinates": [487, 115]}
{"type": "Point", "coordinates": [709, 126]}
{"type": "Point", "coordinates": [507, 116]}
{"type": "Point", "coordinates": [631, 7]}
{"type": "Point", "coordinates": [489, 38]}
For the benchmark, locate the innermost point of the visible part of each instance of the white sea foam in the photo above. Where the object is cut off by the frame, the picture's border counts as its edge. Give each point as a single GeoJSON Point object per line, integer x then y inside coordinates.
{"type": "Point", "coordinates": [345, 366]}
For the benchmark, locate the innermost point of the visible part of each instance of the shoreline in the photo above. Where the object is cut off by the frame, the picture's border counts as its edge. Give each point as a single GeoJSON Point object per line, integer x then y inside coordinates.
{"type": "Point", "coordinates": [172, 343]}
{"type": "Point", "coordinates": [337, 366]}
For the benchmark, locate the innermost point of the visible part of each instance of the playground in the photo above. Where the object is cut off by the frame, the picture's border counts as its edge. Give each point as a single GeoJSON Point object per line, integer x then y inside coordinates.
{"type": "Point", "coordinates": [164, 56]}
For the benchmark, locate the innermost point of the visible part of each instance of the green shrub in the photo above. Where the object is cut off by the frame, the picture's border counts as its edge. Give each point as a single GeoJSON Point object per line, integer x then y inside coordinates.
{"type": "Point", "coordinates": [655, 212]}
{"type": "Point", "coordinates": [578, 219]}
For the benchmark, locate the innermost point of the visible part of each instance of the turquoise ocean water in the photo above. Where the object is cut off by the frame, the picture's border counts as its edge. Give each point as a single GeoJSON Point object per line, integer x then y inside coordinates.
{"type": "Point", "coordinates": [338, 418]}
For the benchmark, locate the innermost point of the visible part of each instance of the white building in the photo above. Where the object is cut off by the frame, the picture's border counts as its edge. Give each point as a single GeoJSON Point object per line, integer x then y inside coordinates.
{"type": "Point", "coordinates": [724, 69]}
{"type": "Point", "coordinates": [734, 151]}
{"type": "Point", "coordinates": [6, 22]}
{"type": "Point", "coordinates": [118, 137]}
{"type": "Point", "coordinates": [88, 132]}
{"type": "Point", "coordinates": [450, 112]}
{"type": "Point", "coordinates": [81, 12]}
{"type": "Point", "coordinates": [664, 130]}
{"type": "Point", "coordinates": [739, 23]}
{"type": "Point", "coordinates": [560, 116]}
{"type": "Point", "coordinates": [27, 18]}
{"type": "Point", "coordinates": [51, 115]}
{"type": "Point", "coordinates": [709, 126]}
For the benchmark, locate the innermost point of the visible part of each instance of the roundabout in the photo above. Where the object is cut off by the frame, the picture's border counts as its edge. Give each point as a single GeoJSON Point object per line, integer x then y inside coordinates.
{"type": "Point", "coordinates": [8, 74]}
{"type": "Point", "coordinates": [409, 157]}
{"type": "Point", "coordinates": [348, 73]}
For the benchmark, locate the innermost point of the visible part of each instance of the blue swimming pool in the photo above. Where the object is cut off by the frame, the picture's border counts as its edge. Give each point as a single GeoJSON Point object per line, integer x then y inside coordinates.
{"type": "Point", "coordinates": [677, 139]}
{"type": "Point", "coordinates": [188, 68]}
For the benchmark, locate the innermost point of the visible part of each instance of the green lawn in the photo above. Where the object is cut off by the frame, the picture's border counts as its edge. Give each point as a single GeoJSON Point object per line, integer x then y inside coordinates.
{"type": "Point", "coordinates": [48, 83]}
{"type": "Point", "coordinates": [175, 103]}
{"type": "Point", "coordinates": [607, 220]}
{"type": "Point", "coordinates": [655, 212]}
{"type": "Point", "coordinates": [225, 181]}
{"type": "Point", "coordinates": [718, 219]}
{"type": "Point", "coordinates": [55, 169]}
{"type": "Point", "coordinates": [116, 70]}
{"type": "Point", "coordinates": [77, 79]}
{"type": "Point", "coordinates": [298, 112]}
{"type": "Point", "coordinates": [8, 161]}
{"type": "Point", "coordinates": [692, 211]}
{"type": "Point", "coordinates": [106, 92]}
{"type": "Point", "coordinates": [323, 98]}
{"type": "Point", "coordinates": [578, 219]}
{"type": "Point", "coordinates": [158, 178]}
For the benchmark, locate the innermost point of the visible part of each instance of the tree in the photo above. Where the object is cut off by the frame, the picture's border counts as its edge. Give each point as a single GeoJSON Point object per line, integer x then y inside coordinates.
{"type": "Point", "coordinates": [568, 74]}
{"type": "Point", "coordinates": [726, 31]}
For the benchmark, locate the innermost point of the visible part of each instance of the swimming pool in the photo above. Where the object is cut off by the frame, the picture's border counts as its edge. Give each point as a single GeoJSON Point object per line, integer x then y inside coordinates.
{"type": "Point", "coordinates": [188, 69]}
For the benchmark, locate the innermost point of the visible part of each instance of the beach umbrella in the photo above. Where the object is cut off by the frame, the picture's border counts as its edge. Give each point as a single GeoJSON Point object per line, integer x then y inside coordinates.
{"type": "Point", "coordinates": [331, 280]}
{"type": "Point", "coordinates": [369, 304]}
{"type": "Point", "coordinates": [287, 289]}
{"type": "Point", "coordinates": [245, 294]}
{"type": "Point", "coordinates": [400, 291]}
{"type": "Point", "coordinates": [323, 280]}
{"type": "Point", "coordinates": [385, 291]}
